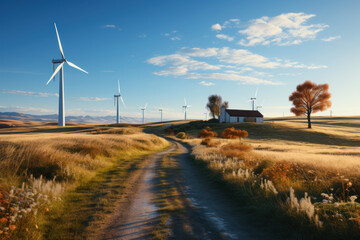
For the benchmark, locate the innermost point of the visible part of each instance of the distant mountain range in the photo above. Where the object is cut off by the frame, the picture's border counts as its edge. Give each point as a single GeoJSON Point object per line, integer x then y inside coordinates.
{"type": "Point", "coordinates": [75, 119]}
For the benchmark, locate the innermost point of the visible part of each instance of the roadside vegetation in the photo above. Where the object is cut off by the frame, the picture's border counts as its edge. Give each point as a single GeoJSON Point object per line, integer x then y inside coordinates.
{"type": "Point", "coordinates": [59, 185]}
{"type": "Point", "coordinates": [294, 177]}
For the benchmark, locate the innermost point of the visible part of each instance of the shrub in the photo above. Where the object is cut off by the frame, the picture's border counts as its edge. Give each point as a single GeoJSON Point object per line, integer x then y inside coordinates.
{"type": "Point", "coordinates": [238, 150]}
{"type": "Point", "coordinates": [181, 135]}
{"type": "Point", "coordinates": [233, 133]}
{"type": "Point", "coordinates": [209, 143]}
{"type": "Point", "coordinates": [282, 172]}
{"type": "Point", "coordinates": [207, 133]}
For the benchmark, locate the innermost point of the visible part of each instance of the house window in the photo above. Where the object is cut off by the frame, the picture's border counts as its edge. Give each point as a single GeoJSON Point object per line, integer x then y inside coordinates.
{"type": "Point", "coordinates": [237, 119]}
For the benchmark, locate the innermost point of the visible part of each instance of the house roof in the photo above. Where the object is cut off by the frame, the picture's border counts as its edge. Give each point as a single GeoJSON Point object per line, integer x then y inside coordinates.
{"type": "Point", "coordinates": [243, 113]}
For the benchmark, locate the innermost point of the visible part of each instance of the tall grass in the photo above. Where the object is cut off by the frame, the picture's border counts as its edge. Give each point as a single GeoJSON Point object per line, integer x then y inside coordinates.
{"type": "Point", "coordinates": [50, 165]}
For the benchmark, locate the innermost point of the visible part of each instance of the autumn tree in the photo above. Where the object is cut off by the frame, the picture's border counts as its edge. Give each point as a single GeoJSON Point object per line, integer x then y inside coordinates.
{"type": "Point", "coordinates": [310, 98]}
{"type": "Point", "coordinates": [214, 105]}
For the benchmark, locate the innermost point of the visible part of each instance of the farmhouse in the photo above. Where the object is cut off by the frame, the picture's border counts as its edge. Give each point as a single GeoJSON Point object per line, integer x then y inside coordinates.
{"type": "Point", "coordinates": [234, 115]}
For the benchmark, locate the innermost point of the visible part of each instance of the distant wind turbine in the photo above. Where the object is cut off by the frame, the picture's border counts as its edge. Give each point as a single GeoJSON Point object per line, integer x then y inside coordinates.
{"type": "Point", "coordinates": [116, 99]}
{"type": "Point", "coordinates": [143, 113]}
{"type": "Point", "coordinates": [161, 113]}
{"type": "Point", "coordinates": [253, 99]}
{"type": "Point", "coordinates": [260, 106]}
{"type": "Point", "coordinates": [185, 107]}
{"type": "Point", "coordinates": [61, 121]}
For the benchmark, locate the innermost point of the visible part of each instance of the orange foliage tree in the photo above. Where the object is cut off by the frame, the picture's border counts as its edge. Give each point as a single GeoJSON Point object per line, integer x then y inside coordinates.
{"type": "Point", "coordinates": [207, 133]}
{"type": "Point", "coordinates": [310, 98]}
{"type": "Point", "coordinates": [233, 133]}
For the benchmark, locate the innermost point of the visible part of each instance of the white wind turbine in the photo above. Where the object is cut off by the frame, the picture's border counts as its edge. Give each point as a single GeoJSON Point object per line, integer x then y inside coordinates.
{"type": "Point", "coordinates": [61, 121]}
{"type": "Point", "coordinates": [185, 107]}
{"type": "Point", "coordinates": [260, 106]}
{"type": "Point", "coordinates": [143, 113]}
{"type": "Point", "coordinates": [161, 113]}
{"type": "Point", "coordinates": [116, 98]}
{"type": "Point", "coordinates": [253, 99]}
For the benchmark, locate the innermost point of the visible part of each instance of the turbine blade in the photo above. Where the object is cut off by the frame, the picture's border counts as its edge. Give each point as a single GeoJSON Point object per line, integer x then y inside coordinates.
{"type": "Point", "coordinates": [145, 105]}
{"type": "Point", "coordinates": [122, 100]}
{"type": "Point", "coordinates": [188, 106]}
{"type": "Point", "coordinates": [119, 86]}
{"type": "Point", "coordinates": [74, 66]}
{"type": "Point", "coordinates": [61, 50]}
{"type": "Point", "coordinates": [185, 101]}
{"type": "Point", "coordinates": [256, 92]}
{"type": "Point", "coordinates": [56, 71]}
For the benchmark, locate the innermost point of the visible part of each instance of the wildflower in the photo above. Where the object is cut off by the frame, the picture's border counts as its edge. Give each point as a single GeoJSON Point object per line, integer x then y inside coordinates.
{"type": "Point", "coordinates": [12, 227]}
{"type": "Point", "coordinates": [46, 209]}
{"type": "Point", "coordinates": [2, 220]}
{"type": "Point", "coordinates": [26, 229]}
{"type": "Point", "coordinates": [1, 232]}
{"type": "Point", "coordinates": [36, 226]}
{"type": "Point", "coordinates": [353, 198]}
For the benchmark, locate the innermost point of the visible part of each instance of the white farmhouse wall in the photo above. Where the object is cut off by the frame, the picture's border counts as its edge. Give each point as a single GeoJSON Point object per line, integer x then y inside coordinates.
{"type": "Point", "coordinates": [259, 120]}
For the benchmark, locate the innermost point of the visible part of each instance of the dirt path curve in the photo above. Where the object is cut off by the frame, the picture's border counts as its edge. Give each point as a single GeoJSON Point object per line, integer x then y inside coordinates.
{"type": "Point", "coordinates": [134, 216]}
{"type": "Point", "coordinates": [208, 213]}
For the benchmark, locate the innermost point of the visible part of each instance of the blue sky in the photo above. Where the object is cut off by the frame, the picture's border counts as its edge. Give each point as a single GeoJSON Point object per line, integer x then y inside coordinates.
{"type": "Point", "coordinates": [163, 51]}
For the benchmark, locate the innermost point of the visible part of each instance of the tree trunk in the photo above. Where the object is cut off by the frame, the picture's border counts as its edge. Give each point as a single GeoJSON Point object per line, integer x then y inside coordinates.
{"type": "Point", "coordinates": [309, 120]}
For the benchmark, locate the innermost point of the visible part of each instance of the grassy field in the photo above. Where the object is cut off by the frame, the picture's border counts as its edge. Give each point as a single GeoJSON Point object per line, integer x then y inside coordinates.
{"type": "Point", "coordinates": [282, 159]}
{"type": "Point", "coordinates": [56, 183]}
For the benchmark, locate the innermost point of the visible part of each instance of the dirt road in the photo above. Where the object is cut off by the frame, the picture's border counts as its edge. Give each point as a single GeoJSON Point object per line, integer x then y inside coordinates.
{"type": "Point", "coordinates": [207, 214]}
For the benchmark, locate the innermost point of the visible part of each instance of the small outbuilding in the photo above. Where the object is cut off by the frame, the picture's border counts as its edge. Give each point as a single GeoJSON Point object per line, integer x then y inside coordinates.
{"type": "Point", "coordinates": [235, 115]}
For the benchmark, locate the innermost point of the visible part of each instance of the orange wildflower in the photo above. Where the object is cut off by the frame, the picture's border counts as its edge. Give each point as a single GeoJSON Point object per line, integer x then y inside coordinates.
{"type": "Point", "coordinates": [12, 227]}
{"type": "Point", "coordinates": [2, 220]}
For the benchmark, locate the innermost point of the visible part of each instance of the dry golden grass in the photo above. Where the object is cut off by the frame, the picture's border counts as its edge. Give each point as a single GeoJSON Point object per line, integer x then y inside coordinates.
{"type": "Point", "coordinates": [78, 155]}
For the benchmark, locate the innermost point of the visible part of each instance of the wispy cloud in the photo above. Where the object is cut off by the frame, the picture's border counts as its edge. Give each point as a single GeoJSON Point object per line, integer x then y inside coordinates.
{"type": "Point", "coordinates": [330, 39]}
{"type": "Point", "coordinates": [284, 29]}
{"type": "Point", "coordinates": [226, 64]}
{"type": "Point", "coordinates": [143, 36]}
{"type": "Point", "coordinates": [225, 37]}
{"type": "Point", "coordinates": [31, 110]}
{"type": "Point", "coordinates": [207, 84]}
{"type": "Point", "coordinates": [93, 99]}
{"type": "Point", "coordinates": [112, 26]}
{"type": "Point", "coordinates": [107, 71]}
{"type": "Point", "coordinates": [173, 35]}
{"type": "Point", "coordinates": [37, 94]}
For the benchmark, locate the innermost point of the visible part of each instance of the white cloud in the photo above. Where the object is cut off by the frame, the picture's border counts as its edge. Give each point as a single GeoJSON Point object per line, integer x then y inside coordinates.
{"type": "Point", "coordinates": [172, 35]}
{"type": "Point", "coordinates": [93, 99]}
{"type": "Point", "coordinates": [225, 37]}
{"type": "Point", "coordinates": [175, 38]}
{"type": "Point", "coordinates": [216, 27]}
{"type": "Point", "coordinates": [329, 39]}
{"type": "Point", "coordinates": [142, 35]}
{"type": "Point", "coordinates": [208, 84]}
{"type": "Point", "coordinates": [112, 26]}
{"type": "Point", "coordinates": [284, 29]}
{"type": "Point", "coordinates": [37, 94]}
{"type": "Point", "coordinates": [32, 110]}
{"type": "Point", "coordinates": [226, 64]}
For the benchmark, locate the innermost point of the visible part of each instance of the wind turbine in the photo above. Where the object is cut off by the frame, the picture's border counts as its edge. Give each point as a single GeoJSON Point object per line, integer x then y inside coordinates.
{"type": "Point", "coordinates": [161, 112]}
{"type": "Point", "coordinates": [143, 113]}
{"type": "Point", "coordinates": [116, 98]}
{"type": "Point", "coordinates": [260, 106]}
{"type": "Point", "coordinates": [253, 99]}
{"type": "Point", "coordinates": [206, 114]}
{"type": "Point", "coordinates": [61, 121]}
{"type": "Point", "coordinates": [185, 107]}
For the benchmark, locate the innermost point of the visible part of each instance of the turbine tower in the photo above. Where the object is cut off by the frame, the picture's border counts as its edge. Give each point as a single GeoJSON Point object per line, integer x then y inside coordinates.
{"type": "Point", "coordinates": [161, 112]}
{"type": "Point", "coordinates": [61, 121]}
{"type": "Point", "coordinates": [185, 107]}
{"type": "Point", "coordinates": [116, 98]}
{"type": "Point", "coordinates": [143, 113]}
{"type": "Point", "coordinates": [253, 99]}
